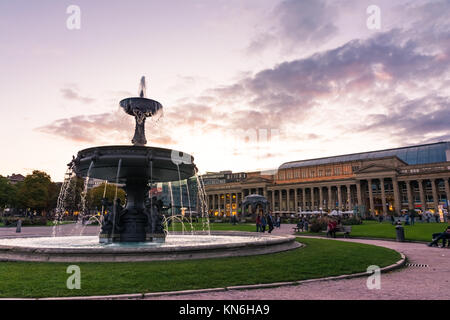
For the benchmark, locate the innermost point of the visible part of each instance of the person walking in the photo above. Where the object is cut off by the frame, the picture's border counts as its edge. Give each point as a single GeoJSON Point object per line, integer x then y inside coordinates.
{"type": "Point", "coordinates": [258, 223]}
{"type": "Point", "coordinates": [270, 222]}
{"type": "Point", "coordinates": [406, 219]}
{"type": "Point", "coordinates": [263, 223]}
{"type": "Point", "coordinates": [413, 217]}
{"type": "Point", "coordinates": [278, 221]}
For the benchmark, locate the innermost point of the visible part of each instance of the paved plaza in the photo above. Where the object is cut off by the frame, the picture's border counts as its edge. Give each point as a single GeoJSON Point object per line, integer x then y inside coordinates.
{"type": "Point", "coordinates": [411, 282]}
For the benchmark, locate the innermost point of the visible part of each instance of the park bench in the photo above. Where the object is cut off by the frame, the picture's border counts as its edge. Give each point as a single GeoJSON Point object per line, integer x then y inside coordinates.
{"type": "Point", "coordinates": [345, 230]}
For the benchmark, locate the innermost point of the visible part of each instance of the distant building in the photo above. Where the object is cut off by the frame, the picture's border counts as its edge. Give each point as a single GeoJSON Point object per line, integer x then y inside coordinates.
{"type": "Point", "coordinates": [93, 183]}
{"type": "Point", "coordinates": [15, 178]}
{"type": "Point", "coordinates": [377, 182]}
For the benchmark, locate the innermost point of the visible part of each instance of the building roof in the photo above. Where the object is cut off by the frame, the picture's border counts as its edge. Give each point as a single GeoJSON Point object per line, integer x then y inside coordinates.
{"type": "Point", "coordinates": [419, 154]}
{"type": "Point", "coordinates": [16, 177]}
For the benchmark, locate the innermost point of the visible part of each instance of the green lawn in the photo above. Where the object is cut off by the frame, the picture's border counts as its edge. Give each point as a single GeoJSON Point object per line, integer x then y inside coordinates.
{"type": "Point", "coordinates": [319, 258]}
{"type": "Point", "coordinates": [385, 230]}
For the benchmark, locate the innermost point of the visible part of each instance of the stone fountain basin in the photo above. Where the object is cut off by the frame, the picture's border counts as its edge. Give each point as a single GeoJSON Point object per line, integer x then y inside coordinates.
{"type": "Point", "coordinates": [157, 164]}
{"type": "Point", "coordinates": [177, 247]}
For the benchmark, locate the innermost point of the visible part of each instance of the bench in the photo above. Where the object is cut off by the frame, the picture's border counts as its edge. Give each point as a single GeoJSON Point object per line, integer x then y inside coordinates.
{"type": "Point", "coordinates": [345, 230]}
{"type": "Point", "coordinates": [297, 229]}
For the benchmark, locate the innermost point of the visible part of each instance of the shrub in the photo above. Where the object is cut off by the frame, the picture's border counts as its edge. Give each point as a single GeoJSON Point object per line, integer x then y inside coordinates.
{"type": "Point", "coordinates": [36, 221]}
{"type": "Point", "coordinates": [318, 224]}
{"type": "Point", "coordinates": [351, 221]}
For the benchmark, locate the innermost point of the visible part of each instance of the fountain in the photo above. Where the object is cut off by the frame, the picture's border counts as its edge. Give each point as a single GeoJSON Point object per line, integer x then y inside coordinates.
{"type": "Point", "coordinates": [141, 219]}
{"type": "Point", "coordinates": [136, 232]}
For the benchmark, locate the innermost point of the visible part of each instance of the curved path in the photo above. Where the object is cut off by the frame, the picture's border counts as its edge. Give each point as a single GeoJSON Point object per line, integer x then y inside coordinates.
{"type": "Point", "coordinates": [412, 282]}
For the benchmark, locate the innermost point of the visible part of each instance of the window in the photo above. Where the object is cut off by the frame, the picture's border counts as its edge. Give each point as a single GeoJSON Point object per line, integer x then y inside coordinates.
{"type": "Point", "coordinates": [320, 173]}
{"type": "Point", "coordinates": [328, 172]}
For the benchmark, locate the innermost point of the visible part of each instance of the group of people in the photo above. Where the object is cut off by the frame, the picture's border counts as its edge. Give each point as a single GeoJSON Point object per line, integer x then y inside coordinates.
{"type": "Point", "coordinates": [332, 227]}
{"type": "Point", "coordinates": [267, 220]}
{"type": "Point", "coordinates": [444, 236]}
{"type": "Point", "coordinates": [303, 224]}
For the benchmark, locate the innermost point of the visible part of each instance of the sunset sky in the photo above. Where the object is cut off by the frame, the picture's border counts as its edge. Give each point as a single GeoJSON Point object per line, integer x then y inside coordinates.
{"type": "Point", "coordinates": [245, 84]}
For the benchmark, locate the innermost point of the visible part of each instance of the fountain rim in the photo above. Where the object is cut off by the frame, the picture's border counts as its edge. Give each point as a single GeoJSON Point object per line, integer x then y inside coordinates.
{"type": "Point", "coordinates": [269, 244]}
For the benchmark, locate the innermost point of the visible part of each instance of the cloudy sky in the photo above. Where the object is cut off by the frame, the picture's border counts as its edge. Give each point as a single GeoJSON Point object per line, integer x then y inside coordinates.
{"type": "Point", "coordinates": [245, 84]}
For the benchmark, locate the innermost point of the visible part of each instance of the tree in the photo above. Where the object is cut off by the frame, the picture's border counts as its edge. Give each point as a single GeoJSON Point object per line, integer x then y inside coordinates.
{"type": "Point", "coordinates": [8, 193]}
{"type": "Point", "coordinates": [33, 193]}
{"type": "Point", "coordinates": [53, 192]}
{"type": "Point", "coordinates": [95, 195]}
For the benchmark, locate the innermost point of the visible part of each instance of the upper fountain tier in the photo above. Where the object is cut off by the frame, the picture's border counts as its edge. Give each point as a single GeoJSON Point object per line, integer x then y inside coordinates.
{"type": "Point", "coordinates": [137, 162]}
{"type": "Point", "coordinates": [141, 108]}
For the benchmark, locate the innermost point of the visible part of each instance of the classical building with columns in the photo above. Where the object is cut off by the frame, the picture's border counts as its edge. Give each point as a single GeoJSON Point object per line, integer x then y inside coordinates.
{"type": "Point", "coordinates": [376, 182]}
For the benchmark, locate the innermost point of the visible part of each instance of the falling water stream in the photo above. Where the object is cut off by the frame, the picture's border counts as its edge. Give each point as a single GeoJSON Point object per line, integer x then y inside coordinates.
{"type": "Point", "coordinates": [115, 198]}
{"type": "Point", "coordinates": [81, 217]}
{"type": "Point", "coordinates": [61, 202]}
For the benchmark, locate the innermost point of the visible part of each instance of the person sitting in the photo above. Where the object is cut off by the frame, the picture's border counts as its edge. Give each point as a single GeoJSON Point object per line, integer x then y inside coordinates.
{"type": "Point", "coordinates": [300, 225]}
{"type": "Point", "coordinates": [440, 236]}
{"type": "Point", "coordinates": [305, 225]}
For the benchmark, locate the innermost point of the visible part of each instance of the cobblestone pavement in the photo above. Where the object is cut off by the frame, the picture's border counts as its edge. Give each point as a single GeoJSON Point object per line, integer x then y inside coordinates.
{"type": "Point", "coordinates": [412, 282]}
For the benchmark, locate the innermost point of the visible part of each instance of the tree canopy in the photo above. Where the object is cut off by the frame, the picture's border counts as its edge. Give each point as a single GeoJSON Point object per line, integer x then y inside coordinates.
{"type": "Point", "coordinates": [95, 195]}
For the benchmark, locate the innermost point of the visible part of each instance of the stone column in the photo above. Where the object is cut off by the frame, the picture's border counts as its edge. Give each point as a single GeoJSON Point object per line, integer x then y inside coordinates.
{"type": "Point", "coordinates": [409, 195]}
{"type": "Point", "coordinates": [383, 196]}
{"type": "Point", "coordinates": [358, 193]}
{"type": "Point", "coordinates": [321, 198]}
{"type": "Point", "coordinates": [214, 203]}
{"type": "Point", "coordinates": [397, 198]}
{"type": "Point", "coordinates": [265, 192]}
{"type": "Point", "coordinates": [423, 200]}
{"type": "Point", "coordinates": [242, 200]}
{"type": "Point", "coordinates": [280, 195]}
{"type": "Point", "coordinates": [330, 198]}
{"type": "Point", "coordinates": [435, 195]}
{"type": "Point", "coordinates": [304, 198]}
{"type": "Point", "coordinates": [312, 198]}
{"type": "Point", "coordinates": [296, 200]}
{"type": "Point", "coordinates": [349, 197]}
{"type": "Point", "coordinates": [218, 202]}
{"type": "Point", "coordinates": [372, 205]}
{"type": "Point", "coordinates": [273, 200]}
{"type": "Point", "coordinates": [339, 197]}
{"type": "Point", "coordinates": [447, 189]}
{"type": "Point", "coordinates": [288, 199]}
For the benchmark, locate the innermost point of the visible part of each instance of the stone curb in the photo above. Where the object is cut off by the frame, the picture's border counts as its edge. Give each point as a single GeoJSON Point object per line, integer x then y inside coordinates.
{"type": "Point", "coordinates": [359, 238]}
